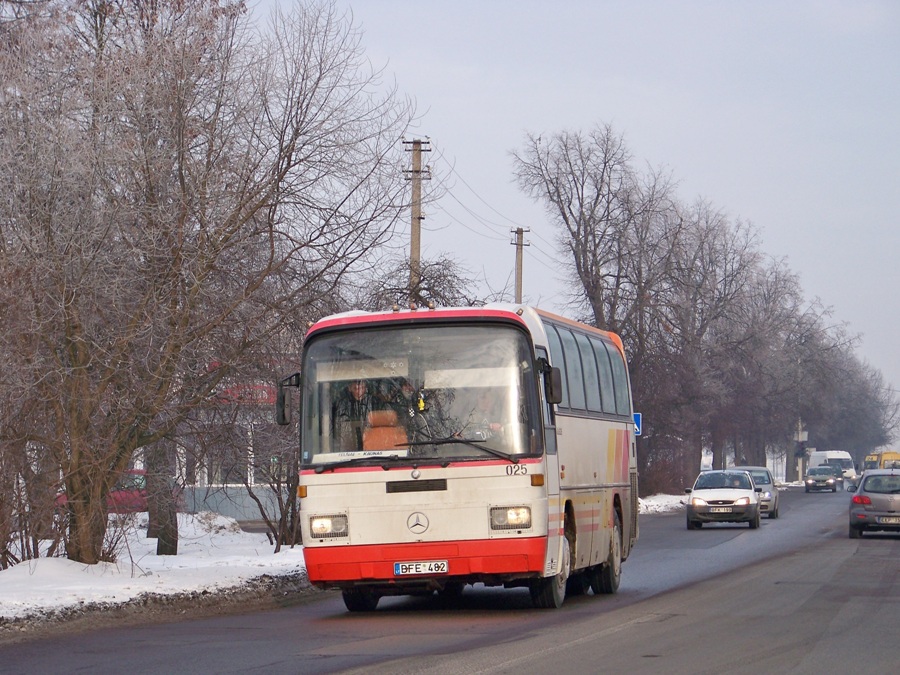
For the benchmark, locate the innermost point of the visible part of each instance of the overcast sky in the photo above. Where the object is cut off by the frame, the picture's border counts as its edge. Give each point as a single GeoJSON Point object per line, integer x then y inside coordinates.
{"type": "Point", "coordinates": [782, 114]}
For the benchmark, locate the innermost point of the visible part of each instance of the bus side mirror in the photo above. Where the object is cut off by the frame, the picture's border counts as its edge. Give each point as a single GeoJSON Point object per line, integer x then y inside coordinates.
{"type": "Point", "coordinates": [553, 385]}
{"type": "Point", "coordinates": [282, 411]}
{"type": "Point", "coordinates": [282, 399]}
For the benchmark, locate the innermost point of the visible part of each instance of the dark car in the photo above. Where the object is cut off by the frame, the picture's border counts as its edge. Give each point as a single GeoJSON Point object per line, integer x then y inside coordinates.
{"type": "Point", "coordinates": [726, 496]}
{"type": "Point", "coordinates": [875, 506]}
{"type": "Point", "coordinates": [838, 476]}
{"type": "Point", "coordinates": [820, 478]}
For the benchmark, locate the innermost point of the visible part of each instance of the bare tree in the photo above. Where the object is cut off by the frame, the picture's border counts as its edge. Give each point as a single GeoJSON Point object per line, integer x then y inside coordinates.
{"type": "Point", "coordinates": [180, 188]}
{"type": "Point", "coordinates": [442, 282]}
{"type": "Point", "coordinates": [586, 184]}
{"type": "Point", "coordinates": [724, 353]}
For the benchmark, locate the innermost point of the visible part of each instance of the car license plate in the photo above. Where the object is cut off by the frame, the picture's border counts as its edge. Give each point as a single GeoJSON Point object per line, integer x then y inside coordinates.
{"type": "Point", "coordinates": [889, 520]}
{"type": "Point", "coordinates": [720, 509]}
{"type": "Point", "coordinates": [420, 567]}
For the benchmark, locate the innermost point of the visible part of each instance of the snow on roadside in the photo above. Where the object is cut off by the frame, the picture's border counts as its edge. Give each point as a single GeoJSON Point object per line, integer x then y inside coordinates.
{"type": "Point", "coordinates": [213, 554]}
{"type": "Point", "coordinates": [661, 503]}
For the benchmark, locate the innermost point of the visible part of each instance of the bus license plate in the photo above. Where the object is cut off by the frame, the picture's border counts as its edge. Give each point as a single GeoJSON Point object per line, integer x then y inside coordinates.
{"type": "Point", "coordinates": [421, 567]}
{"type": "Point", "coordinates": [720, 509]}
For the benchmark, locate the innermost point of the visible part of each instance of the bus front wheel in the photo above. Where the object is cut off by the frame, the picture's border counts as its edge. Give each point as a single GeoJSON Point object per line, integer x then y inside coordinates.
{"type": "Point", "coordinates": [549, 592]}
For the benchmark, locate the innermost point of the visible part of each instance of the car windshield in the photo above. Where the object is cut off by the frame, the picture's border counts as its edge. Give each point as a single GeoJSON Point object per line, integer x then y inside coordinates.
{"type": "Point", "coordinates": [821, 471]}
{"type": "Point", "coordinates": [882, 484]}
{"type": "Point", "coordinates": [719, 480]}
{"type": "Point", "coordinates": [761, 477]}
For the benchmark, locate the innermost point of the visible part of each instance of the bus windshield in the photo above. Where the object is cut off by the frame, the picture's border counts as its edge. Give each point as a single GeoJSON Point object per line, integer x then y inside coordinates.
{"type": "Point", "coordinates": [426, 392]}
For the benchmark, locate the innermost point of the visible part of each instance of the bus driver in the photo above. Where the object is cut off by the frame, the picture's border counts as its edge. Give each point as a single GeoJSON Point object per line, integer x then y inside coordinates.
{"type": "Point", "coordinates": [348, 415]}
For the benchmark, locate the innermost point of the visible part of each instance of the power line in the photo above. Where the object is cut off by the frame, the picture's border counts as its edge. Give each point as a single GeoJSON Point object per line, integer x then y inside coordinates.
{"type": "Point", "coordinates": [485, 202]}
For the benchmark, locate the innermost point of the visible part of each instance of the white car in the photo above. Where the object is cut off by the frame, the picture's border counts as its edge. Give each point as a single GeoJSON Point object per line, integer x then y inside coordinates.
{"type": "Point", "coordinates": [768, 497]}
{"type": "Point", "coordinates": [723, 496]}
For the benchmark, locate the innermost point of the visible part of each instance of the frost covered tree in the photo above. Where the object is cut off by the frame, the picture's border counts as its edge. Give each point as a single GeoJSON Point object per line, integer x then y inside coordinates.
{"type": "Point", "coordinates": [179, 186]}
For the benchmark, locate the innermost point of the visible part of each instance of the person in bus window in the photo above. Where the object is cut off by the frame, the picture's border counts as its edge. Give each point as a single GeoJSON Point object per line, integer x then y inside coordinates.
{"type": "Point", "coordinates": [349, 413]}
{"type": "Point", "coordinates": [485, 419]}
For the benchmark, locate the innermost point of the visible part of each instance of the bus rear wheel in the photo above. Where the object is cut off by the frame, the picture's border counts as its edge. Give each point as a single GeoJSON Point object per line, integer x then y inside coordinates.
{"type": "Point", "coordinates": [360, 599]}
{"type": "Point", "coordinates": [605, 578]}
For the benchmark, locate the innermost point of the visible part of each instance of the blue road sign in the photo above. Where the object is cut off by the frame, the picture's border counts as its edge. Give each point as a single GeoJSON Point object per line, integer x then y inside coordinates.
{"type": "Point", "coordinates": [637, 424]}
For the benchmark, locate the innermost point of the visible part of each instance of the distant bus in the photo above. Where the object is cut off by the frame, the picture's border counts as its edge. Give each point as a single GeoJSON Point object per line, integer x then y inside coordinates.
{"type": "Point", "coordinates": [498, 447]}
{"type": "Point", "coordinates": [882, 460]}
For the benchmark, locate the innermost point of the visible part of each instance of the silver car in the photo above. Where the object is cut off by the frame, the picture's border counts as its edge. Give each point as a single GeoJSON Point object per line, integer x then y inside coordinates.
{"type": "Point", "coordinates": [768, 498]}
{"type": "Point", "coordinates": [875, 506]}
{"type": "Point", "coordinates": [727, 496]}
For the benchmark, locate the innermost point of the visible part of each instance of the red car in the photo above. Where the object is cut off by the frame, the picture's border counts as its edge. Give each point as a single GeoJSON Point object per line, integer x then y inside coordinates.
{"type": "Point", "coordinates": [129, 494]}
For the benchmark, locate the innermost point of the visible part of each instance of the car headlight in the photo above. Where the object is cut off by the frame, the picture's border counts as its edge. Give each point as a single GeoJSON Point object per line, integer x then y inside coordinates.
{"type": "Point", "coordinates": [328, 527]}
{"type": "Point", "coordinates": [830, 480]}
{"type": "Point", "coordinates": [742, 501]}
{"type": "Point", "coordinates": [810, 481]}
{"type": "Point", "coordinates": [510, 517]}
{"type": "Point", "coordinates": [766, 495]}
{"type": "Point", "coordinates": [696, 501]}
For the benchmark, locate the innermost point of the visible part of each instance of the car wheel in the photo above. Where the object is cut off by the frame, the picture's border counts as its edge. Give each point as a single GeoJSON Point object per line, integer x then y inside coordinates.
{"type": "Point", "coordinates": [754, 523]}
{"type": "Point", "coordinates": [692, 524]}
{"type": "Point", "coordinates": [834, 489]}
{"type": "Point", "coordinates": [855, 533]}
{"type": "Point", "coordinates": [807, 489]}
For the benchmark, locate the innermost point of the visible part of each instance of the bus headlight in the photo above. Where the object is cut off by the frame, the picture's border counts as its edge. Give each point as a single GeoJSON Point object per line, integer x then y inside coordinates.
{"type": "Point", "coordinates": [328, 527]}
{"type": "Point", "coordinates": [510, 517]}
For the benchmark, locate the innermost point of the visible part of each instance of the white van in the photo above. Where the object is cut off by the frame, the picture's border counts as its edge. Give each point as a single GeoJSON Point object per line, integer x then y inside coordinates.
{"type": "Point", "coordinates": [839, 458]}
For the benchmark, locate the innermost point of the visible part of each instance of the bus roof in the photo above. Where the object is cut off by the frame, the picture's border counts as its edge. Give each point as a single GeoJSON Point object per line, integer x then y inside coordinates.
{"type": "Point", "coordinates": [409, 316]}
{"type": "Point", "coordinates": [522, 314]}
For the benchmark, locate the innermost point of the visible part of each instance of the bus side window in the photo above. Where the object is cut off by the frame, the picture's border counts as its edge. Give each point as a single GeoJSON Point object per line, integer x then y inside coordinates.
{"type": "Point", "coordinates": [591, 381]}
{"type": "Point", "coordinates": [620, 378]}
{"type": "Point", "coordinates": [547, 412]}
{"type": "Point", "coordinates": [556, 354]}
{"type": "Point", "coordinates": [607, 389]}
{"type": "Point", "coordinates": [573, 369]}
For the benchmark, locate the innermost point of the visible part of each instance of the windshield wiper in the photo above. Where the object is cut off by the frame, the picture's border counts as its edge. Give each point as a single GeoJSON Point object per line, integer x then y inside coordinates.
{"type": "Point", "coordinates": [372, 459]}
{"type": "Point", "coordinates": [470, 442]}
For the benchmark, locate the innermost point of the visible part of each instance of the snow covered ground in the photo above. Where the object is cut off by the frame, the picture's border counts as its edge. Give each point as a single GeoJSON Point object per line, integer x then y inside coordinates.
{"type": "Point", "coordinates": [213, 554]}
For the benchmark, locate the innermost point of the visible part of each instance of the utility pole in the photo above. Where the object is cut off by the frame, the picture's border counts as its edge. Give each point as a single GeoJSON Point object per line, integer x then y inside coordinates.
{"type": "Point", "coordinates": [415, 233]}
{"type": "Point", "coordinates": [519, 243]}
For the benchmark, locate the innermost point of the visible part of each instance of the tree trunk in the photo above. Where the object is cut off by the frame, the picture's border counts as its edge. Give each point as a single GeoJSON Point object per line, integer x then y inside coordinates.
{"type": "Point", "coordinates": [162, 511]}
{"type": "Point", "coordinates": [87, 529]}
{"type": "Point", "coordinates": [167, 533]}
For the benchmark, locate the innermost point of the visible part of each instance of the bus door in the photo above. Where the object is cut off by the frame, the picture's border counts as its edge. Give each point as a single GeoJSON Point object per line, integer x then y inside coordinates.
{"type": "Point", "coordinates": [551, 472]}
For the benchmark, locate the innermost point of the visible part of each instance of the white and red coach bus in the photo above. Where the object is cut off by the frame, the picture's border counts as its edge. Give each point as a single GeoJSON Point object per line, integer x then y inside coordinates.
{"type": "Point", "coordinates": [446, 447]}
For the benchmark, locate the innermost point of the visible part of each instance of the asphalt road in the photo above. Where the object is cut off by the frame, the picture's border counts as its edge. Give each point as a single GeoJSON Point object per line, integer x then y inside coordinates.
{"type": "Point", "coordinates": [795, 596]}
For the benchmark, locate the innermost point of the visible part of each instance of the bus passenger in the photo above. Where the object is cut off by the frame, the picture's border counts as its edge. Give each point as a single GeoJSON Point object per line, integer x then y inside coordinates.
{"type": "Point", "coordinates": [349, 413]}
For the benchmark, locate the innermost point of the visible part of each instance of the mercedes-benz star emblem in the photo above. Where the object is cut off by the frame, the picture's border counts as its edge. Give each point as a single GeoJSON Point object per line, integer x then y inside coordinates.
{"type": "Point", "coordinates": [417, 522]}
